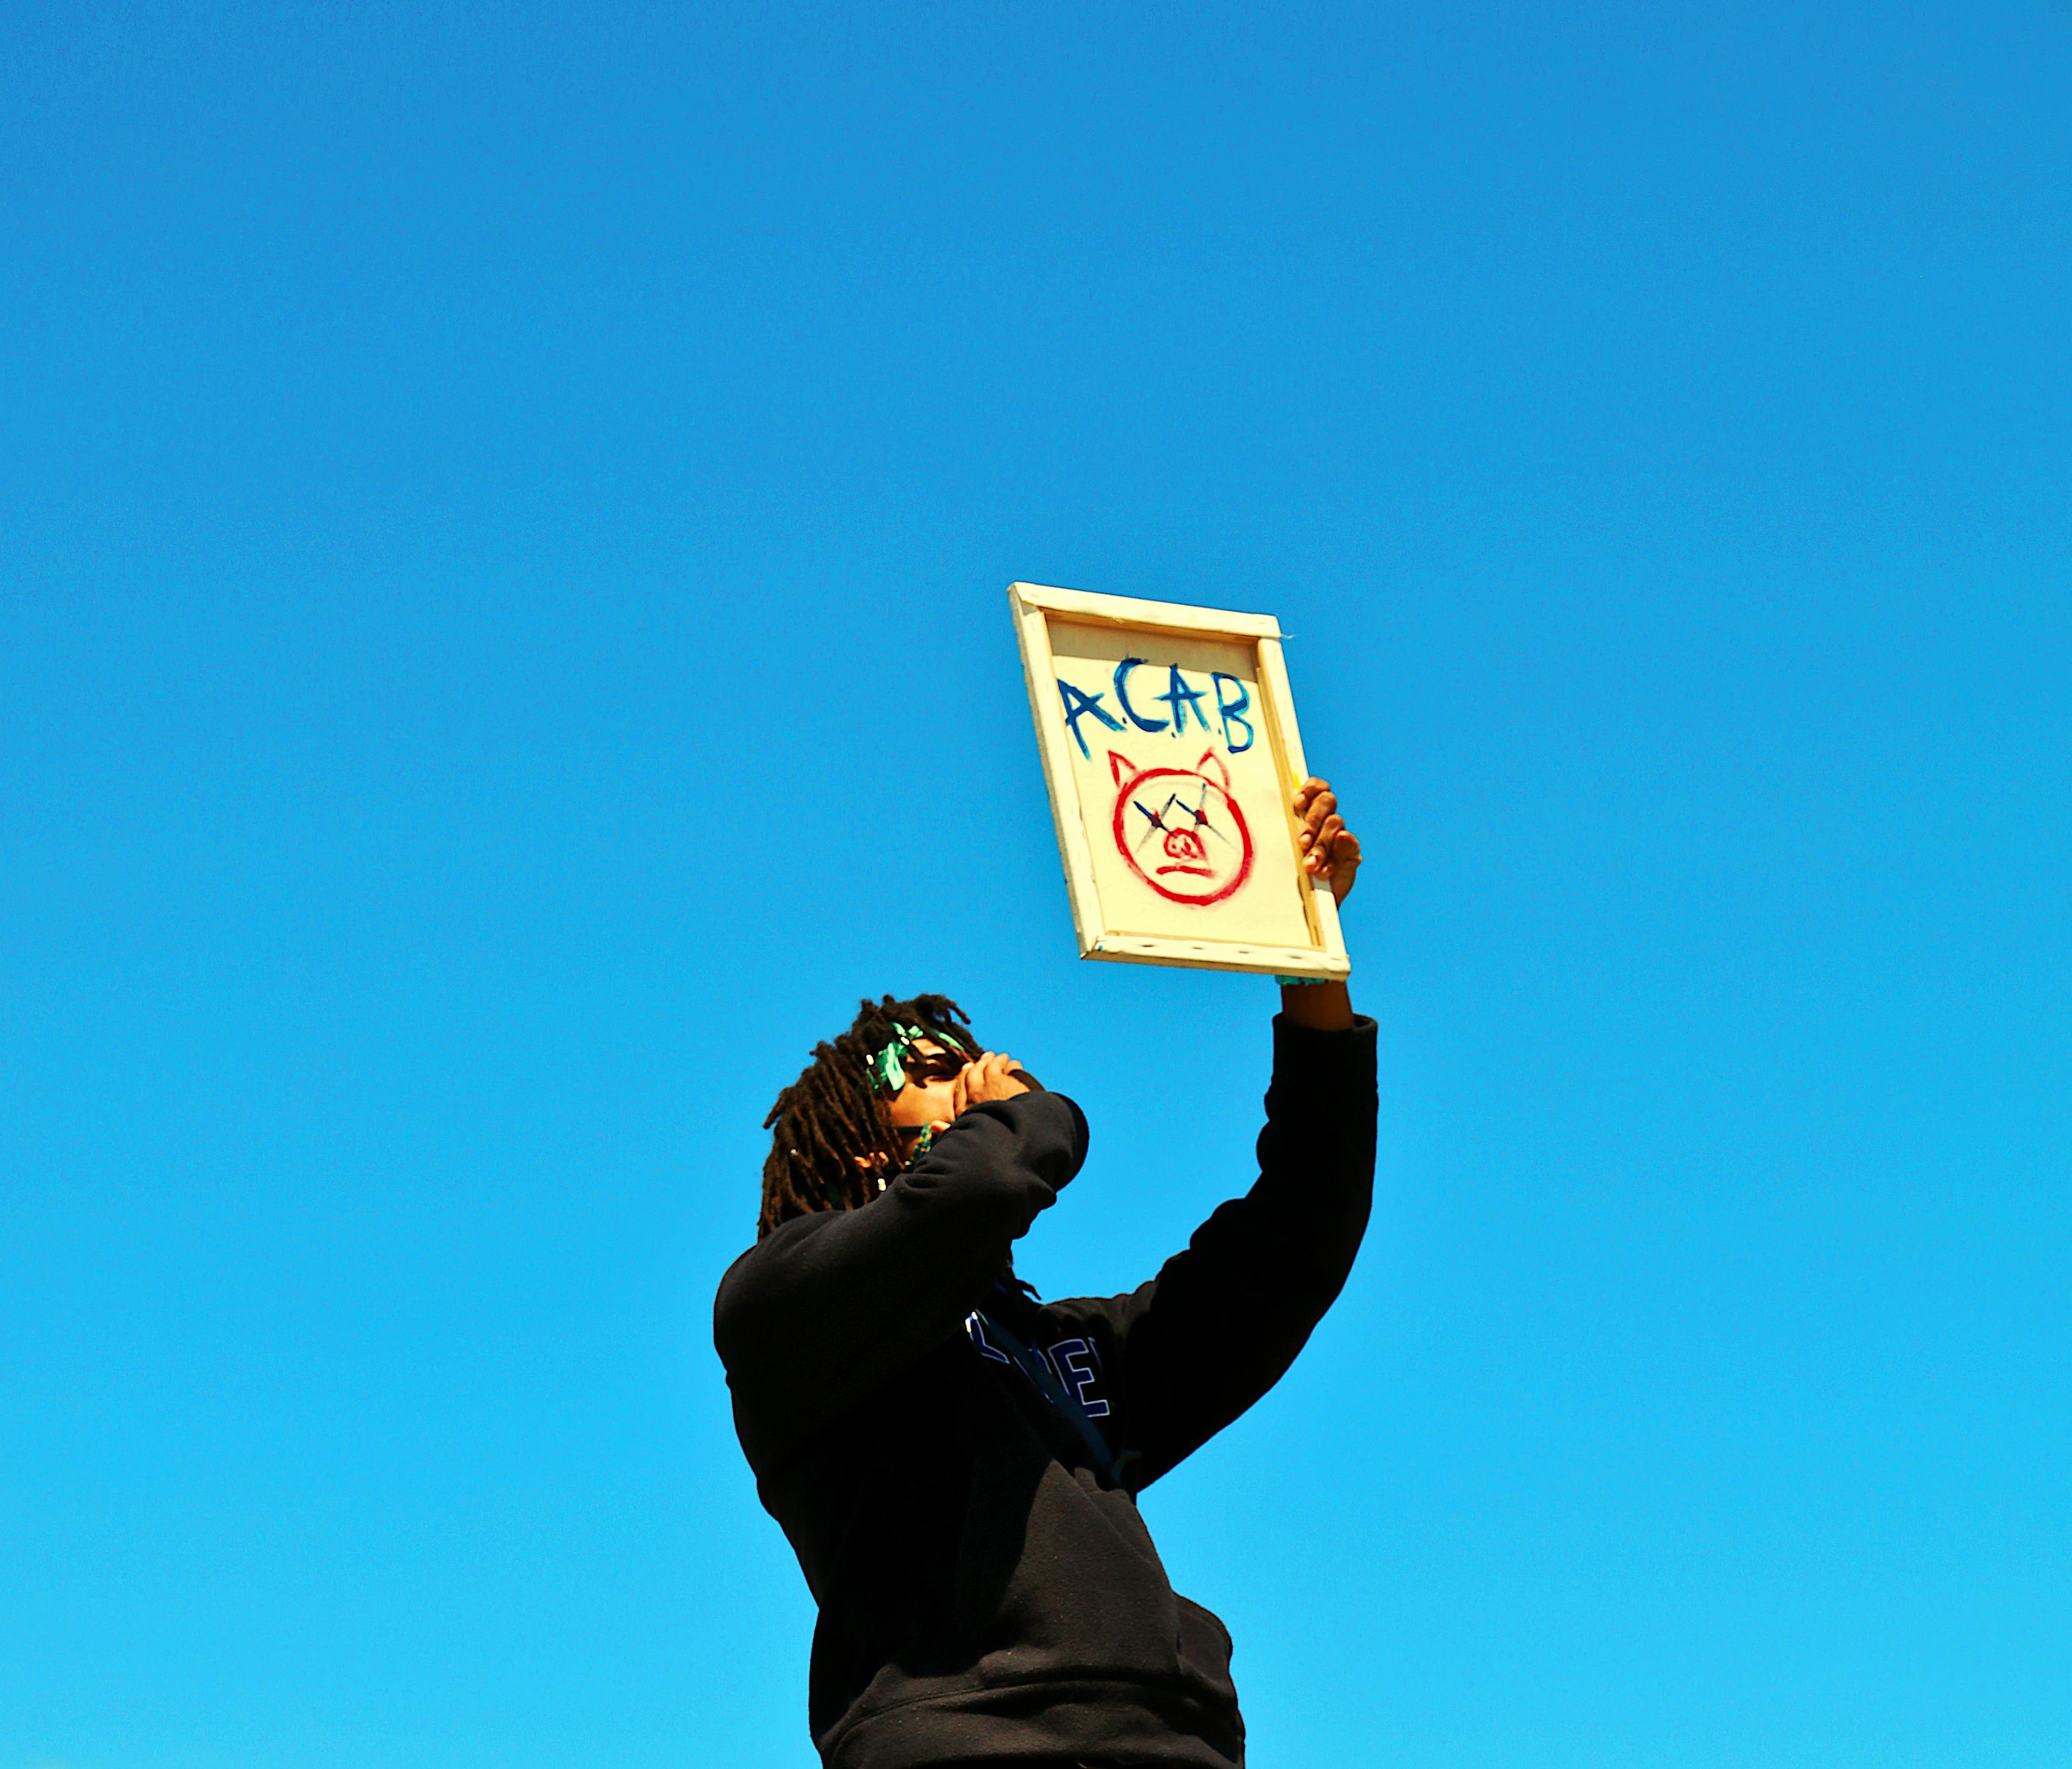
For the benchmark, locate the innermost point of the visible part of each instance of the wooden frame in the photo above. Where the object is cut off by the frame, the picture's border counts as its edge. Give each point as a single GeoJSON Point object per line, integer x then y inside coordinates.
{"type": "Point", "coordinates": [1252, 907]}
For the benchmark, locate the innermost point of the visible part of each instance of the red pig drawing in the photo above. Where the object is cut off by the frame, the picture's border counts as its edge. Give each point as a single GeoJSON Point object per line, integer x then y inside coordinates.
{"type": "Point", "coordinates": [1180, 829]}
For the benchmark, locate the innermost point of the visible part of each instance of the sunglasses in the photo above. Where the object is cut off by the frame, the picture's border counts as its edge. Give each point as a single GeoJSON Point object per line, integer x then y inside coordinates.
{"type": "Point", "coordinates": [943, 1065]}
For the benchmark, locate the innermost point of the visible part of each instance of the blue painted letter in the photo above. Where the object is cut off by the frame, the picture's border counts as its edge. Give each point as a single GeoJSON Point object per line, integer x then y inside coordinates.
{"type": "Point", "coordinates": [1228, 710]}
{"type": "Point", "coordinates": [1077, 707]}
{"type": "Point", "coordinates": [1180, 696]}
{"type": "Point", "coordinates": [1122, 693]}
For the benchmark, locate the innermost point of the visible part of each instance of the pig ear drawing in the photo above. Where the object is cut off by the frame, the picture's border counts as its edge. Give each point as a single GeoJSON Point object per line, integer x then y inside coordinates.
{"type": "Point", "coordinates": [1210, 759]}
{"type": "Point", "coordinates": [1121, 766]}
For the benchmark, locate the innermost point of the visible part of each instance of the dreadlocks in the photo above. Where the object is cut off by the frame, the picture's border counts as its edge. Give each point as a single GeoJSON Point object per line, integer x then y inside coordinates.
{"type": "Point", "coordinates": [830, 1116]}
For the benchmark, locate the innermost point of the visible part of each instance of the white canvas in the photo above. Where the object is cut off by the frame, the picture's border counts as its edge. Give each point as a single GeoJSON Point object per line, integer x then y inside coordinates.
{"type": "Point", "coordinates": [1171, 752]}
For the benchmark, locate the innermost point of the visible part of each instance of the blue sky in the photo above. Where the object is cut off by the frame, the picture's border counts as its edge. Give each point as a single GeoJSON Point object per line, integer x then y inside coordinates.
{"type": "Point", "coordinates": [504, 523]}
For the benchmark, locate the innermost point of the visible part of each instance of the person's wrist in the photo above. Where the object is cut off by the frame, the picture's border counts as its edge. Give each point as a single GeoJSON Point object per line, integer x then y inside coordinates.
{"type": "Point", "coordinates": [1321, 1004]}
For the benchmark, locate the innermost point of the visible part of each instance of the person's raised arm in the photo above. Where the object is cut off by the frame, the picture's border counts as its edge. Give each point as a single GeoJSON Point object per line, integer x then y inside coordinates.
{"type": "Point", "coordinates": [1223, 1319]}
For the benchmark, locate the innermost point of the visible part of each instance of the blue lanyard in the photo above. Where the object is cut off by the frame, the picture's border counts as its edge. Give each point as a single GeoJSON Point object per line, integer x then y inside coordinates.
{"type": "Point", "coordinates": [1037, 1367]}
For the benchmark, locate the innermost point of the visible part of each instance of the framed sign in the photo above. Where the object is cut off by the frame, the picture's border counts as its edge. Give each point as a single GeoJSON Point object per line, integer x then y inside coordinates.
{"type": "Point", "coordinates": [1170, 746]}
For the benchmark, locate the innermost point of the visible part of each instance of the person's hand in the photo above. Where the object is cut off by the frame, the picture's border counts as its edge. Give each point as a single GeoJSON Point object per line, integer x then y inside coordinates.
{"type": "Point", "coordinates": [990, 1078]}
{"type": "Point", "coordinates": [1330, 851]}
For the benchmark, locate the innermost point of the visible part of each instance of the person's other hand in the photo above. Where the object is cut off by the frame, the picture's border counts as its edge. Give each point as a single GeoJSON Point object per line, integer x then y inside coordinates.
{"type": "Point", "coordinates": [1330, 851]}
{"type": "Point", "coordinates": [990, 1078]}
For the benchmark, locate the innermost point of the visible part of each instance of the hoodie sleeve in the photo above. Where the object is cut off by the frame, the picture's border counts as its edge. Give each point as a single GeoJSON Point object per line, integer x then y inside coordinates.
{"type": "Point", "coordinates": [1219, 1325]}
{"type": "Point", "coordinates": [829, 1307]}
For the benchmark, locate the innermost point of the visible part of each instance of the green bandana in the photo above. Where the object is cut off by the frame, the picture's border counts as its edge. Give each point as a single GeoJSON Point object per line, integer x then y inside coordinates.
{"type": "Point", "coordinates": [888, 1068]}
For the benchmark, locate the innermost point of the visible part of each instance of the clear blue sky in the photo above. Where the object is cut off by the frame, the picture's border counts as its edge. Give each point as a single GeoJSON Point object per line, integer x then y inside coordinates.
{"type": "Point", "coordinates": [504, 516]}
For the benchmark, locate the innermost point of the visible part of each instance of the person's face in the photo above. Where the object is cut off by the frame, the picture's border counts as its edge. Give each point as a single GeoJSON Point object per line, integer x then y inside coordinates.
{"type": "Point", "coordinates": [927, 1099]}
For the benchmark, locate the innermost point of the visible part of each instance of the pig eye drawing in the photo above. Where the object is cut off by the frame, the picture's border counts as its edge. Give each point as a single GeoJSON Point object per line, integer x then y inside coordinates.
{"type": "Point", "coordinates": [1180, 829]}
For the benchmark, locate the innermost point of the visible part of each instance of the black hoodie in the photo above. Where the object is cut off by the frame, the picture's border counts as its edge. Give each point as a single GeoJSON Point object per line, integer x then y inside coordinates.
{"type": "Point", "coordinates": [987, 1589]}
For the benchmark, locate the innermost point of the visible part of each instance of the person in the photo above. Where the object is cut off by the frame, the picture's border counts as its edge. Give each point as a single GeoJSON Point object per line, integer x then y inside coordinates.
{"type": "Point", "coordinates": [957, 1463]}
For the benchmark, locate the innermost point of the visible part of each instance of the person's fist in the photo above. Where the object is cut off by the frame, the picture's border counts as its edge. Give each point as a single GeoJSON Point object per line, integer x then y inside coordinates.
{"type": "Point", "coordinates": [988, 1078]}
{"type": "Point", "coordinates": [1330, 851]}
